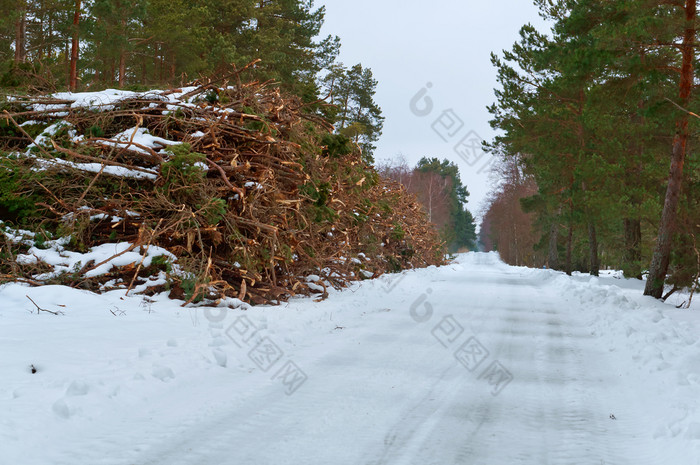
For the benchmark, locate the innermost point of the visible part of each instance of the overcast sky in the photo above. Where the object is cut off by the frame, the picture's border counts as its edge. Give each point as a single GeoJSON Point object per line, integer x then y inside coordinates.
{"type": "Point", "coordinates": [410, 43]}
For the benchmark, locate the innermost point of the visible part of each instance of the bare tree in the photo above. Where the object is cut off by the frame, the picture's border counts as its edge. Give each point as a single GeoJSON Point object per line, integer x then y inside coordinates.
{"type": "Point", "coordinates": [505, 227]}
{"type": "Point", "coordinates": [432, 191]}
{"type": "Point", "coordinates": [397, 169]}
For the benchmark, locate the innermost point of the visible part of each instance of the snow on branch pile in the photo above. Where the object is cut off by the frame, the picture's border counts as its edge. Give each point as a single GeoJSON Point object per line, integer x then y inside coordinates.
{"type": "Point", "coordinates": [210, 192]}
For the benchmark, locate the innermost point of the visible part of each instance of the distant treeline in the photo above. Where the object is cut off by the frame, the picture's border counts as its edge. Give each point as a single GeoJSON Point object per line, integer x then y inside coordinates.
{"type": "Point", "coordinates": [438, 187]}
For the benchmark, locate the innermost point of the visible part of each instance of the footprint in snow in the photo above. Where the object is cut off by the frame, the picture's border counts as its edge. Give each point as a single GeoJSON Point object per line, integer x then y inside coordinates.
{"type": "Point", "coordinates": [77, 388]}
{"type": "Point", "coordinates": [143, 352]}
{"type": "Point", "coordinates": [61, 409]}
{"type": "Point", "coordinates": [163, 373]}
{"type": "Point", "coordinates": [220, 357]}
{"type": "Point", "coordinates": [218, 342]}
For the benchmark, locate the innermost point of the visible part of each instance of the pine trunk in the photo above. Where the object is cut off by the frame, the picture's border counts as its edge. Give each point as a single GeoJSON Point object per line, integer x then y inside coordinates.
{"type": "Point", "coordinates": [633, 248]}
{"type": "Point", "coordinates": [569, 247]}
{"type": "Point", "coordinates": [21, 39]}
{"type": "Point", "coordinates": [67, 61]}
{"type": "Point", "coordinates": [553, 256]}
{"type": "Point", "coordinates": [594, 263]}
{"type": "Point", "coordinates": [73, 80]}
{"type": "Point", "coordinates": [122, 68]}
{"type": "Point", "coordinates": [172, 69]}
{"type": "Point", "coordinates": [122, 60]}
{"type": "Point", "coordinates": [660, 260]}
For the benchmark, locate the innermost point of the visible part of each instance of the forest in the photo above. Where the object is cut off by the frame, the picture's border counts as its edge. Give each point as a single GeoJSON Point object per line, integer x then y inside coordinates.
{"type": "Point", "coordinates": [597, 141]}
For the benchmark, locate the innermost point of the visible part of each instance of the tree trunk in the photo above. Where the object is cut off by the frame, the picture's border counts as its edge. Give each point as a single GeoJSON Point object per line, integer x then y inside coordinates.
{"type": "Point", "coordinates": [660, 260]}
{"type": "Point", "coordinates": [594, 263]}
{"type": "Point", "coordinates": [172, 71]}
{"type": "Point", "coordinates": [516, 252]}
{"type": "Point", "coordinates": [21, 38]}
{"type": "Point", "coordinates": [67, 59]}
{"type": "Point", "coordinates": [73, 81]}
{"type": "Point", "coordinates": [569, 247]}
{"type": "Point", "coordinates": [430, 200]}
{"type": "Point", "coordinates": [553, 256]}
{"type": "Point", "coordinates": [156, 61]}
{"type": "Point", "coordinates": [632, 255]}
{"type": "Point", "coordinates": [40, 50]}
{"type": "Point", "coordinates": [50, 47]}
{"type": "Point", "coordinates": [346, 103]}
{"type": "Point", "coordinates": [122, 59]}
{"type": "Point", "coordinates": [122, 68]}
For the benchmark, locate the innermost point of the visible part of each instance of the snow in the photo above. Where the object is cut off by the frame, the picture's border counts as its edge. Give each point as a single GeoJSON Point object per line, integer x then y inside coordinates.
{"type": "Point", "coordinates": [251, 184]}
{"type": "Point", "coordinates": [474, 362]}
{"type": "Point", "coordinates": [315, 287]}
{"type": "Point", "coordinates": [118, 171]}
{"type": "Point", "coordinates": [107, 255]}
{"type": "Point", "coordinates": [140, 136]}
{"type": "Point", "coordinates": [366, 273]}
{"type": "Point", "coordinates": [18, 236]}
{"type": "Point", "coordinates": [44, 139]}
{"type": "Point", "coordinates": [106, 99]}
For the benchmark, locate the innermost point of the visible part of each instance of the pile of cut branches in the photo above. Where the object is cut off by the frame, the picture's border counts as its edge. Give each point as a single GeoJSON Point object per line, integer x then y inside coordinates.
{"type": "Point", "coordinates": [249, 192]}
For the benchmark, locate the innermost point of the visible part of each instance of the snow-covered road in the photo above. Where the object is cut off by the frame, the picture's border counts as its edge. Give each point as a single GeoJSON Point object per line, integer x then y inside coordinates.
{"type": "Point", "coordinates": [472, 363]}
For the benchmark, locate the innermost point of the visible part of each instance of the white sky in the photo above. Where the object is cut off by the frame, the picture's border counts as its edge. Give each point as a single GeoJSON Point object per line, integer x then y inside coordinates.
{"type": "Point", "coordinates": [409, 43]}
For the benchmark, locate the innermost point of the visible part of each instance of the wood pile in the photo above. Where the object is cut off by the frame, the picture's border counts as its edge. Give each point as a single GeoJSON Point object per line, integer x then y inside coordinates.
{"type": "Point", "coordinates": [251, 191]}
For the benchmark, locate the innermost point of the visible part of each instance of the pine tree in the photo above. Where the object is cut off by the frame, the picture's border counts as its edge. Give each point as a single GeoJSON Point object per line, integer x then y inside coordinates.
{"type": "Point", "coordinates": [662, 253]}
{"type": "Point", "coordinates": [282, 34]}
{"type": "Point", "coordinates": [354, 111]}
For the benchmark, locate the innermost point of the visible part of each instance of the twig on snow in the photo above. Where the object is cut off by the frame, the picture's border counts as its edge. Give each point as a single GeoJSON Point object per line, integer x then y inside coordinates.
{"type": "Point", "coordinates": [39, 309]}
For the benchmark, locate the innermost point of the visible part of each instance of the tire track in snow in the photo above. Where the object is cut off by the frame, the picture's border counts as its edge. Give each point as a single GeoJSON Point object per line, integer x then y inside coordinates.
{"type": "Point", "coordinates": [557, 410]}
